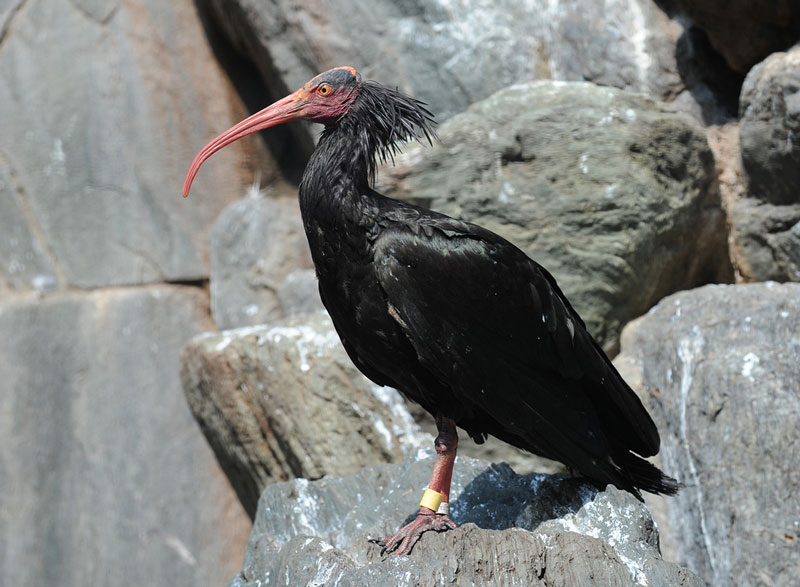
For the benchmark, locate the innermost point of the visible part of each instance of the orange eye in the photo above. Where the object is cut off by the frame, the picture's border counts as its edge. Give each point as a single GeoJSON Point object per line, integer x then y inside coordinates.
{"type": "Point", "coordinates": [324, 90]}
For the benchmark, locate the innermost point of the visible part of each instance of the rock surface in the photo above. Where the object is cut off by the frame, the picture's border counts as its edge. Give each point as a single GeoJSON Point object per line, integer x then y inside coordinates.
{"type": "Point", "coordinates": [255, 244]}
{"type": "Point", "coordinates": [719, 371]}
{"type": "Point", "coordinates": [745, 32]}
{"type": "Point", "coordinates": [765, 240]}
{"type": "Point", "coordinates": [770, 128]}
{"type": "Point", "coordinates": [599, 186]}
{"type": "Point", "coordinates": [451, 54]}
{"type": "Point", "coordinates": [105, 478]}
{"type": "Point", "coordinates": [104, 106]}
{"type": "Point", "coordinates": [284, 400]}
{"type": "Point", "coordinates": [515, 530]}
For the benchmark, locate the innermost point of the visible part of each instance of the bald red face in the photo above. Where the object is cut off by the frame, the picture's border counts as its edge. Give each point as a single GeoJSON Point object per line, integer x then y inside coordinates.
{"type": "Point", "coordinates": [329, 96]}
{"type": "Point", "coordinates": [324, 99]}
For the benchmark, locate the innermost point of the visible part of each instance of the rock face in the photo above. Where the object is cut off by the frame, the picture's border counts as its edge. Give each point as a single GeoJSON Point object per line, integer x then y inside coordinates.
{"type": "Point", "coordinates": [515, 530]}
{"type": "Point", "coordinates": [745, 32]}
{"type": "Point", "coordinates": [599, 186]}
{"type": "Point", "coordinates": [98, 128]}
{"type": "Point", "coordinates": [284, 400]}
{"type": "Point", "coordinates": [453, 54]}
{"type": "Point", "coordinates": [105, 478]}
{"type": "Point", "coordinates": [770, 128]}
{"type": "Point", "coordinates": [256, 243]}
{"type": "Point", "coordinates": [719, 372]}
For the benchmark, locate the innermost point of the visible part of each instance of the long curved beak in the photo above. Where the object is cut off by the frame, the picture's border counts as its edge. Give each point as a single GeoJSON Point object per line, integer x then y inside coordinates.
{"type": "Point", "coordinates": [286, 109]}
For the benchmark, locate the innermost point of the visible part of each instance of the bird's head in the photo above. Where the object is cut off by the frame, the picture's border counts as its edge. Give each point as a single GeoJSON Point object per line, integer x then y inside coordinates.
{"type": "Point", "coordinates": [324, 99]}
{"type": "Point", "coordinates": [387, 115]}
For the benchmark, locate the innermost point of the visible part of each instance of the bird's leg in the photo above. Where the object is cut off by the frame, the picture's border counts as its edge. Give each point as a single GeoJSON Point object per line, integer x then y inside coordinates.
{"type": "Point", "coordinates": [434, 507]}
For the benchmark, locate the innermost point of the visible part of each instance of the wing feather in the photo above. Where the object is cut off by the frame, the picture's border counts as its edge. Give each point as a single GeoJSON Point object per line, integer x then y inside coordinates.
{"type": "Point", "coordinates": [492, 324]}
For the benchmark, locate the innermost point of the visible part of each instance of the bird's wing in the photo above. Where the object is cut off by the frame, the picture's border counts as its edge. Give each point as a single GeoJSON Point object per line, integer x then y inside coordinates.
{"type": "Point", "coordinates": [493, 325]}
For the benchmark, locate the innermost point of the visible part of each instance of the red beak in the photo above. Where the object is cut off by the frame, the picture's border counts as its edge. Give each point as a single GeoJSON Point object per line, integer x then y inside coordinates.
{"type": "Point", "coordinates": [284, 110]}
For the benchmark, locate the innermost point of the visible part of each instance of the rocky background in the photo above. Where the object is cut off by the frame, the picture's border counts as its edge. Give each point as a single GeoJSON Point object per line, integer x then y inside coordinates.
{"type": "Point", "coordinates": [640, 149]}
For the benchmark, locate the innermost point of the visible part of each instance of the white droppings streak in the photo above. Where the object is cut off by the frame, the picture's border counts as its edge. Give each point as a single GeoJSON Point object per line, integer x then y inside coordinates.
{"type": "Point", "coordinates": [749, 362]}
{"type": "Point", "coordinates": [582, 163]}
{"type": "Point", "coordinates": [689, 350]}
{"type": "Point", "coordinates": [404, 428]}
{"type": "Point", "coordinates": [304, 509]}
{"type": "Point", "coordinates": [308, 341]}
{"type": "Point", "coordinates": [383, 431]}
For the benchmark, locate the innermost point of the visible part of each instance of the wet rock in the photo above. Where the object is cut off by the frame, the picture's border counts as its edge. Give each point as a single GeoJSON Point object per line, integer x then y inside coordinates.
{"type": "Point", "coordinates": [599, 186]}
{"type": "Point", "coordinates": [523, 530]}
{"type": "Point", "coordinates": [718, 369]}
{"type": "Point", "coordinates": [770, 128]}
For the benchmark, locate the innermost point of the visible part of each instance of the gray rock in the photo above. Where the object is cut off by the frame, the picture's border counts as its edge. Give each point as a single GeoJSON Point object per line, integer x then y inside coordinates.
{"type": "Point", "coordinates": [719, 371]}
{"type": "Point", "coordinates": [256, 242]}
{"type": "Point", "coordinates": [103, 107]}
{"type": "Point", "coordinates": [24, 263]}
{"type": "Point", "coordinates": [105, 478]}
{"type": "Point", "coordinates": [299, 293]}
{"type": "Point", "coordinates": [745, 32]}
{"type": "Point", "coordinates": [453, 54]}
{"type": "Point", "coordinates": [765, 240]}
{"type": "Point", "coordinates": [284, 400]}
{"type": "Point", "coordinates": [769, 108]}
{"type": "Point", "coordinates": [599, 186]}
{"type": "Point", "coordinates": [515, 530]}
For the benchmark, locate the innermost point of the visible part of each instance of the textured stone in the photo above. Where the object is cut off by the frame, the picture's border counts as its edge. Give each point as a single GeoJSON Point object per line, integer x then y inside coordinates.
{"type": "Point", "coordinates": [770, 128]}
{"type": "Point", "coordinates": [599, 186]}
{"type": "Point", "coordinates": [284, 400]}
{"type": "Point", "coordinates": [743, 31]}
{"type": "Point", "coordinates": [451, 54]}
{"type": "Point", "coordinates": [515, 530]}
{"type": "Point", "coordinates": [765, 240]}
{"type": "Point", "coordinates": [256, 242]}
{"type": "Point", "coordinates": [104, 105]}
{"type": "Point", "coordinates": [105, 478]}
{"type": "Point", "coordinates": [299, 293]}
{"type": "Point", "coordinates": [718, 369]}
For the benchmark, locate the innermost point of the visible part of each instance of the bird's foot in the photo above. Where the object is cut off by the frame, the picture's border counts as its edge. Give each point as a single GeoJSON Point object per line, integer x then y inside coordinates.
{"type": "Point", "coordinates": [408, 535]}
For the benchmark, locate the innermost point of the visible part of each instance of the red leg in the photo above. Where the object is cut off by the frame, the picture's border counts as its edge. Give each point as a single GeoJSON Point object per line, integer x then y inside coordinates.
{"type": "Point", "coordinates": [428, 519]}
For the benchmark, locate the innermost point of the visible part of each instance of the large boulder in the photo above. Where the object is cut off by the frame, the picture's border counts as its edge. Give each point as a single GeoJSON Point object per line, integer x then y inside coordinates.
{"type": "Point", "coordinates": [284, 400]}
{"type": "Point", "coordinates": [104, 105]}
{"type": "Point", "coordinates": [718, 369]}
{"type": "Point", "coordinates": [452, 54]}
{"type": "Point", "coordinates": [769, 108]}
{"type": "Point", "coordinates": [105, 478]}
{"type": "Point", "coordinates": [745, 32]}
{"type": "Point", "coordinates": [515, 530]}
{"type": "Point", "coordinates": [600, 186]}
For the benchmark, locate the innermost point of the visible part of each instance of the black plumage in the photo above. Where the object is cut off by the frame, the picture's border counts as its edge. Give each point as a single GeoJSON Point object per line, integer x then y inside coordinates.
{"type": "Point", "coordinates": [452, 315]}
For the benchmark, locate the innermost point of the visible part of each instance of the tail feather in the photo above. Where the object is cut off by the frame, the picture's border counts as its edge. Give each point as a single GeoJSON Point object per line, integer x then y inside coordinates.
{"type": "Point", "coordinates": [645, 476]}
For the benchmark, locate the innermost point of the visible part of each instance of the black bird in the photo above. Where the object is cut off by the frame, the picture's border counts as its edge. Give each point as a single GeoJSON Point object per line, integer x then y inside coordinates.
{"type": "Point", "coordinates": [454, 316]}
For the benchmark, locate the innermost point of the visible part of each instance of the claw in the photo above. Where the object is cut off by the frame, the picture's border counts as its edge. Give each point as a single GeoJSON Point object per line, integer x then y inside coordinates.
{"type": "Point", "coordinates": [405, 538]}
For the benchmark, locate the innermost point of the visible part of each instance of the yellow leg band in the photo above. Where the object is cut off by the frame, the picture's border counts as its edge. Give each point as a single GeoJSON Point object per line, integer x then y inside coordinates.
{"type": "Point", "coordinates": [431, 499]}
